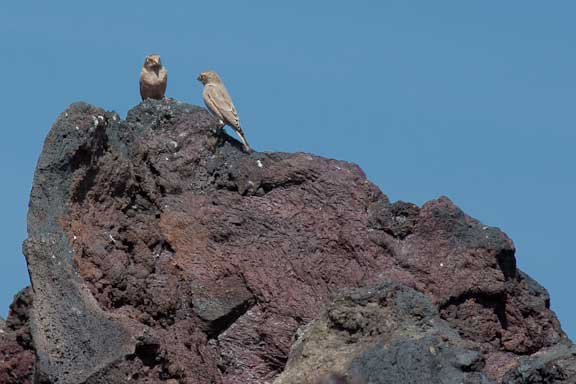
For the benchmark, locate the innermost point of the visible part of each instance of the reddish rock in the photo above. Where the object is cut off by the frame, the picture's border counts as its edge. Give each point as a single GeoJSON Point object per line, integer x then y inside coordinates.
{"type": "Point", "coordinates": [159, 250]}
{"type": "Point", "coordinates": [16, 348]}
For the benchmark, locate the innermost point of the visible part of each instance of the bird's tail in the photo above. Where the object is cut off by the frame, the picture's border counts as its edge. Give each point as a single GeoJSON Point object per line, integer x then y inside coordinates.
{"type": "Point", "coordinates": [243, 139]}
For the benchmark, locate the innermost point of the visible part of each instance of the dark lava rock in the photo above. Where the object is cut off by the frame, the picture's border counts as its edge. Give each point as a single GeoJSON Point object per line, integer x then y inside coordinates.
{"type": "Point", "coordinates": [554, 365]}
{"type": "Point", "coordinates": [427, 360]}
{"type": "Point", "coordinates": [397, 219]}
{"type": "Point", "coordinates": [384, 334]}
{"type": "Point", "coordinates": [160, 252]}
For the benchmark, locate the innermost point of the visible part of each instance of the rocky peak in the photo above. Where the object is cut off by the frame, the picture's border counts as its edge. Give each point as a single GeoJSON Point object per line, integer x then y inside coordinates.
{"type": "Point", "coordinates": [160, 252]}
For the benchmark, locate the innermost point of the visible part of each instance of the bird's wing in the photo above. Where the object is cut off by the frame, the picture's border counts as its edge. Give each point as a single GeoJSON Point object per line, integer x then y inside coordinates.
{"type": "Point", "coordinates": [219, 97]}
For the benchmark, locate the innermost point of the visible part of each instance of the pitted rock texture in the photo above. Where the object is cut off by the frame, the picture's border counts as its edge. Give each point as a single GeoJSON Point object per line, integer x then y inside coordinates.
{"type": "Point", "coordinates": [383, 334]}
{"type": "Point", "coordinates": [553, 365]}
{"type": "Point", "coordinates": [16, 347]}
{"type": "Point", "coordinates": [160, 252]}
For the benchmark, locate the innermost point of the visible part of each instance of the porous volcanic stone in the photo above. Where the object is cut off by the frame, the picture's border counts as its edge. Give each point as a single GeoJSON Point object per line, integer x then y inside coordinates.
{"type": "Point", "coordinates": [160, 252]}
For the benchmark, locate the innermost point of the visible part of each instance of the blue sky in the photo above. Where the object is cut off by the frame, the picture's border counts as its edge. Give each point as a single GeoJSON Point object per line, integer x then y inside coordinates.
{"type": "Point", "coordinates": [472, 100]}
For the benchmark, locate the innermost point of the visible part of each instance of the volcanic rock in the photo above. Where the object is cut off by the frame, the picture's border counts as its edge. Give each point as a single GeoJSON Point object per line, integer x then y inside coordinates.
{"type": "Point", "coordinates": [16, 347]}
{"type": "Point", "coordinates": [389, 333]}
{"type": "Point", "coordinates": [160, 252]}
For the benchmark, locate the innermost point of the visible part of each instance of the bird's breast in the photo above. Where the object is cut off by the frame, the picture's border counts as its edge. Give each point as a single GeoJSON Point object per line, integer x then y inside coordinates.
{"type": "Point", "coordinates": [152, 78]}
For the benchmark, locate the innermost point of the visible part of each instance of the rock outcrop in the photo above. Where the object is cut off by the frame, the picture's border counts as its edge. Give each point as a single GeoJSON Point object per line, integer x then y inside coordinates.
{"type": "Point", "coordinates": [16, 346]}
{"type": "Point", "coordinates": [160, 252]}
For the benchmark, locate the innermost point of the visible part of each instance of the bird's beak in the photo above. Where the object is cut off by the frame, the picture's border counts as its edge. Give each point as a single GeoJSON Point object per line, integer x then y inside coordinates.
{"type": "Point", "coordinates": [199, 78]}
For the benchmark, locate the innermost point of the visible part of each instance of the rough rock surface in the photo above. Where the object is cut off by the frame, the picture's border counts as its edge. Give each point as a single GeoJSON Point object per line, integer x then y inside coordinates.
{"type": "Point", "coordinates": [160, 252]}
{"type": "Point", "coordinates": [16, 347]}
{"type": "Point", "coordinates": [384, 334]}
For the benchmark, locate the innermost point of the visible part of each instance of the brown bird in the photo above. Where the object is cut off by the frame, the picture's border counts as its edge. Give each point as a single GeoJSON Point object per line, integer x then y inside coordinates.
{"type": "Point", "coordinates": [218, 101]}
{"type": "Point", "coordinates": [153, 78]}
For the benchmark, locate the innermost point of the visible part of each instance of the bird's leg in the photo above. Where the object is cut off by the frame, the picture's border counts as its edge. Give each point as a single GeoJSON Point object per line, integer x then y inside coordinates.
{"type": "Point", "coordinates": [243, 139]}
{"type": "Point", "coordinates": [247, 148]}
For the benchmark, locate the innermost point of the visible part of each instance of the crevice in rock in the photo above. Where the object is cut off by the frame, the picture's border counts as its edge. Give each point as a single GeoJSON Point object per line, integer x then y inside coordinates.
{"type": "Point", "coordinates": [507, 263]}
{"type": "Point", "coordinates": [82, 157]}
{"type": "Point", "coordinates": [84, 186]}
{"type": "Point", "coordinates": [161, 246]}
{"type": "Point", "coordinates": [147, 353]}
{"type": "Point", "coordinates": [141, 201]}
{"type": "Point", "coordinates": [251, 290]}
{"type": "Point", "coordinates": [157, 176]}
{"type": "Point", "coordinates": [495, 302]}
{"type": "Point", "coordinates": [152, 168]}
{"type": "Point", "coordinates": [127, 246]}
{"type": "Point", "coordinates": [268, 187]}
{"type": "Point", "coordinates": [86, 158]}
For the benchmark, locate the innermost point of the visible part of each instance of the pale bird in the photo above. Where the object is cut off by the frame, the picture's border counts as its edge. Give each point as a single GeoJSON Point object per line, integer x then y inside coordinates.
{"type": "Point", "coordinates": [153, 78]}
{"type": "Point", "coordinates": [218, 101]}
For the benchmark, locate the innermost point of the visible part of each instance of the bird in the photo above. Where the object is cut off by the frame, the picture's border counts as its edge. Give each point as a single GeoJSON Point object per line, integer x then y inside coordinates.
{"type": "Point", "coordinates": [218, 101]}
{"type": "Point", "coordinates": [153, 78]}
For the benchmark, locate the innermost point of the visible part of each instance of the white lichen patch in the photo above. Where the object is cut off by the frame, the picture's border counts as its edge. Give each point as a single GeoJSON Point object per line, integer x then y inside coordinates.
{"type": "Point", "coordinates": [76, 311]}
